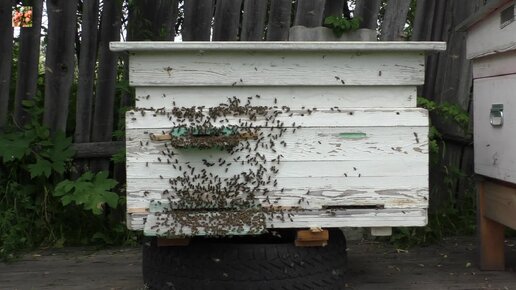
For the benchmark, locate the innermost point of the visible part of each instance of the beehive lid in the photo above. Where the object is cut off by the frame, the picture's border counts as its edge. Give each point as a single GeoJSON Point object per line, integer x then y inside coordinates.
{"type": "Point", "coordinates": [133, 46]}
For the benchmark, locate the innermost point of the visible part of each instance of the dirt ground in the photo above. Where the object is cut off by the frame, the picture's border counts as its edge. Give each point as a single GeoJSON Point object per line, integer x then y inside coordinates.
{"type": "Point", "coordinates": [373, 265]}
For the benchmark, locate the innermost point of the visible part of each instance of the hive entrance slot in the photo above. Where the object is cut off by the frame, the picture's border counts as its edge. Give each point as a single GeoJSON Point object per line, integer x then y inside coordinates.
{"type": "Point", "coordinates": [345, 207]}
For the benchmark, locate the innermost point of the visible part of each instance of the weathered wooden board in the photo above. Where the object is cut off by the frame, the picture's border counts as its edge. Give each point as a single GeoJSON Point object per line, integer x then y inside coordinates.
{"type": "Point", "coordinates": [348, 117]}
{"type": "Point", "coordinates": [495, 65]}
{"type": "Point", "coordinates": [365, 168]}
{"type": "Point", "coordinates": [293, 68]}
{"type": "Point", "coordinates": [495, 154]}
{"type": "Point", "coordinates": [318, 199]}
{"type": "Point", "coordinates": [500, 203]}
{"type": "Point", "coordinates": [324, 219]}
{"type": "Point", "coordinates": [330, 144]}
{"type": "Point", "coordinates": [489, 37]}
{"type": "Point", "coordinates": [285, 46]}
{"type": "Point", "coordinates": [353, 190]}
{"type": "Point", "coordinates": [321, 97]}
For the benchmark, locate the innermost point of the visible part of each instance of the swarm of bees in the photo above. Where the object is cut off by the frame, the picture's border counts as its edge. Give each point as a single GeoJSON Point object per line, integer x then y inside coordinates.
{"type": "Point", "coordinates": [247, 134]}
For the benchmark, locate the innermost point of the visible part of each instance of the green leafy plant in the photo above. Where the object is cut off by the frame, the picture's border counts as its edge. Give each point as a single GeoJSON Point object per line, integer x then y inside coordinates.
{"type": "Point", "coordinates": [452, 217]}
{"type": "Point", "coordinates": [90, 190]}
{"type": "Point", "coordinates": [40, 204]}
{"type": "Point", "coordinates": [339, 25]}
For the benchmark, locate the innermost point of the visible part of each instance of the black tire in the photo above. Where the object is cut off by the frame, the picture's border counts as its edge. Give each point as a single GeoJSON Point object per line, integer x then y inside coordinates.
{"type": "Point", "coordinates": [246, 263]}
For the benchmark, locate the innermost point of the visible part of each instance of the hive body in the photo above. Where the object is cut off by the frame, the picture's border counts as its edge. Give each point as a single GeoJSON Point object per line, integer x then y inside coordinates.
{"type": "Point", "coordinates": [330, 137]}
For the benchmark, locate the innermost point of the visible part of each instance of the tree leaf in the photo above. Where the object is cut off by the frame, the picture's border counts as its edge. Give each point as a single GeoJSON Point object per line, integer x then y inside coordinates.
{"type": "Point", "coordinates": [42, 167]}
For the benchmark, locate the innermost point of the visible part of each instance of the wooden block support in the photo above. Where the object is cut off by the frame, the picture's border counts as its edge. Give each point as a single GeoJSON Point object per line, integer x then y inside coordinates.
{"type": "Point", "coordinates": [491, 235]}
{"type": "Point", "coordinates": [176, 242]}
{"type": "Point", "coordinates": [381, 231]}
{"type": "Point", "coordinates": [310, 238]}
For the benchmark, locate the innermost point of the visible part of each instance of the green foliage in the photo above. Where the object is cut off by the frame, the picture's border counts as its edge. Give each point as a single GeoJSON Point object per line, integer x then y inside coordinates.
{"type": "Point", "coordinates": [452, 217]}
{"type": "Point", "coordinates": [38, 204]}
{"type": "Point", "coordinates": [339, 25]}
{"type": "Point", "coordinates": [447, 111]}
{"type": "Point", "coordinates": [90, 190]}
{"type": "Point", "coordinates": [119, 157]}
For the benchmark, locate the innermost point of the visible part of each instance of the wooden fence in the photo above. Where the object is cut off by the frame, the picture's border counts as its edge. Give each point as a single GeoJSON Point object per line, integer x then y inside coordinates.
{"type": "Point", "coordinates": [448, 77]}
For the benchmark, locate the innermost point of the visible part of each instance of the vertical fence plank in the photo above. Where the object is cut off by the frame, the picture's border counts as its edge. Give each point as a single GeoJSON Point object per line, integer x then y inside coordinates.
{"type": "Point", "coordinates": [152, 20]}
{"type": "Point", "coordinates": [59, 67]}
{"type": "Point", "coordinates": [394, 20]}
{"type": "Point", "coordinates": [6, 55]}
{"type": "Point", "coordinates": [279, 20]}
{"type": "Point", "coordinates": [309, 13]}
{"type": "Point", "coordinates": [227, 20]}
{"type": "Point", "coordinates": [367, 11]}
{"type": "Point", "coordinates": [334, 8]}
{"type": "Point", "coordinates": [165, 19]}
{"type": "Point", "coordinates": [87, 63]}
{"type": "Point", "coordinates": [423, 19]}
{"type": "Point", "coordinates": [448, 80]}
{"type": "Point", "coordinates": [28, 62]}
{"type": "Point", "coordinates": [253, 21]}
{"type": "Point", "coordinates": [105, 94]}
{"type": "Point", "coordinates": [197, 20]}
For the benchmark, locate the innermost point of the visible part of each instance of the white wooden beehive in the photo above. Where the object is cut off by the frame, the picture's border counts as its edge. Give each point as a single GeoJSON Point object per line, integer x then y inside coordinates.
{"type": "Point", "coordinates": [491, 45]}
{"type": "Point", "coordinates": [359, 160]}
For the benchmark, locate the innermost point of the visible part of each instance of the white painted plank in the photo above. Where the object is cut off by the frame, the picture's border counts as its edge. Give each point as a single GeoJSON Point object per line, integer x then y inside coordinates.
{"type": "Point", "coordinates": [311, 193]}
{"type": "Point", "coordinates": [381, 198]}
{"type": "Point", "coordinates": [349, 117]}
{"type": "Point", "coordinates": [321, 97]}
{"type": "Point", "coordinates": [495, 154]}
{"type": "Point", "coordinates": [409, 143]}
{"type": "Point", "coordinates": [324, 219]}
{"type": "Point", "coordinates": [279, 46]}
{"type": "Point", "coordinates": [365, 168]}
{"type": "Point", "coordinates": [293, 68]}
{"type": "Point", "coordinates": [495, 65]}
{"type": "Point", "coordinates": [350, 185]}
{"type": "Point", "coordinates": [487, 37]}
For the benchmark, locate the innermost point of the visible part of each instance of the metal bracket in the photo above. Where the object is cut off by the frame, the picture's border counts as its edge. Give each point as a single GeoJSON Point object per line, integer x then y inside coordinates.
{"type": "Point", "coordinates": [496, 116]}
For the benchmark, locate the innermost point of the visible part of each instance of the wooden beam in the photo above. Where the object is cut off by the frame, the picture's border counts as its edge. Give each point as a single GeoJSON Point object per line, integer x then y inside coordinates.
{"type": "Point", "coordinates": [500, 203]}
{"type": "Point", "coordinates": [97, 149]}
{"type": "Point", "coordinates": [491, 236]}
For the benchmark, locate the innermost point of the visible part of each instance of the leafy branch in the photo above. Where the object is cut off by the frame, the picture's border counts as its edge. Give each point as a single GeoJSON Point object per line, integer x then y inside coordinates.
{"type": "Point", "coordinates": [339, 25]}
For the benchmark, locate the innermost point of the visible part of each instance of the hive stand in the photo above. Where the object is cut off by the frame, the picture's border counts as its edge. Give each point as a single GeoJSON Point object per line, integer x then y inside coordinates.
{"type": "Point", "coordinates": [496, 211]}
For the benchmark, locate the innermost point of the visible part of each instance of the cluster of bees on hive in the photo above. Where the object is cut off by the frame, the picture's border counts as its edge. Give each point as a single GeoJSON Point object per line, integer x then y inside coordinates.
{"type": "Point", "coordinates": [224, 203]}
